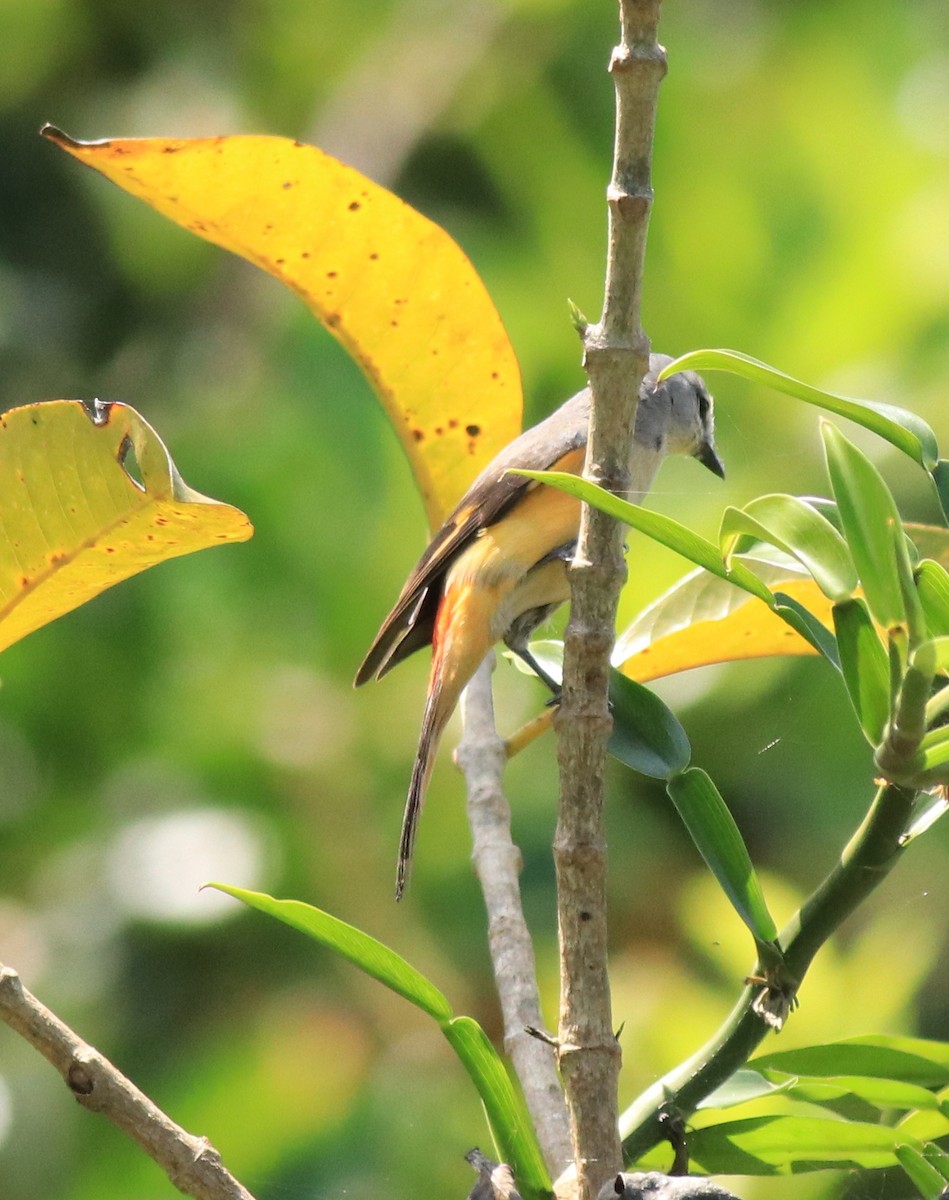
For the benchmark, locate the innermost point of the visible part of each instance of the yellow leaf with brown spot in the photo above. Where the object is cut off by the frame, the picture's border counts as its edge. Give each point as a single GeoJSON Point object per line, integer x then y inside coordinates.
{"type": "Point", "coordinates": [391, 285]}
{"type": "Point", "coordinates": [75, 519]}
{"type": "Point", "coordinates": [705, 620]}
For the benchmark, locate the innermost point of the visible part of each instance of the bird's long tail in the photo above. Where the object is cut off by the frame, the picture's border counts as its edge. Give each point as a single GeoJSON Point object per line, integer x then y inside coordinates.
{"type": "Point", "coordinates": [462, 638]}
{"type": "Point", "coordinates": [433, 724]}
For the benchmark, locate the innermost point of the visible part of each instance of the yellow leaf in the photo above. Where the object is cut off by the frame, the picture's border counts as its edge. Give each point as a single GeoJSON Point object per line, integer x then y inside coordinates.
{"type": "Point", "coordinates": [74, 521]}
{"type": "Point", "coordinates": [391, 285]}
{"type": "Point", "coordinates": [749, 631]}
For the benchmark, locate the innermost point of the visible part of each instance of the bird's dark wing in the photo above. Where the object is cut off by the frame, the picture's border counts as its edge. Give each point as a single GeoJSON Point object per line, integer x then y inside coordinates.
{"type": "Point", "coordinates": [410, 624]}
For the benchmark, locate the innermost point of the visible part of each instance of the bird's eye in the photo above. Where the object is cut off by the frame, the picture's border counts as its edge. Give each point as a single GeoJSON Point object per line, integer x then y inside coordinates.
{"type": "Point", "coordinates": [705, 402]}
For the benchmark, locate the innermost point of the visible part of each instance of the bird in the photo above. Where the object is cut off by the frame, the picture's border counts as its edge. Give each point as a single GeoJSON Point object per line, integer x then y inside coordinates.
{"type": "Point", "coordinates": [497, 568]}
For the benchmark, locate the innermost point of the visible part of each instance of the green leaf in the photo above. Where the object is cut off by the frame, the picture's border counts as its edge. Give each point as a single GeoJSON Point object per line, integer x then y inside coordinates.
{"type": "Point", "coordinates": [865, 667]}
{"type": "Point", "coordinates": [807, 625]}
{"type": "Point", "coordinates": [743, 1087]}
{"type": "Point", "coordinates": [800, 530]}
{"type": "Point", "coordinates": [935, 751]}
{"type": "Point", "coordinates": [660, 528]}
{"type": "Point", "coordinates": [905, 571]}
{"type": "Point", "coordinates": [869, 516]}
{"type": "Point", "coordinates": [881, 1093]}
{"type": "Point", "coordinates": [646, 734]}
{"type": "Point", "coordinates": [901, 428]}
{"type": "Point", "coordinates": [932, 584]}
{"type": "Point", "coordinates": [359, 948]}
{"type": "Point", "coordinates": [922, 1173]}
{"type": "Point", "coordinates": [912, 1060]}
{"type": "Point", "coordinates": [925, 1125]}
{"type": "Point", "coordinates": [507, 1113]}
{"type": "Point", "coordinates": [781, 1145]}
{"type": "Point", "coordinates": [934, 653]}
{"type": "Point", "coordinates": [713, 829]}
{"type": "Point", "coordinates": [940, 474]}
{"type": "Point", "coordinates": [90, 496]}
{"type": "Point", "coordinates": [937, 1157]}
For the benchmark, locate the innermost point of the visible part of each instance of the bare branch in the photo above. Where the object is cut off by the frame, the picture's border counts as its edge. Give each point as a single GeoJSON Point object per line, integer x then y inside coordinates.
{"type": "Point", "coordinates": [616, 358]}
{"type": "Point", "coordinates": [191, 1163]}
{"type": "Point", "coordinates": [481, 756]}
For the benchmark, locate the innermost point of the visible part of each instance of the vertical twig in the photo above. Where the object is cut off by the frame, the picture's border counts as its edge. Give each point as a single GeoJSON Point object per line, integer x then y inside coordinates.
{"type": "Point", "coordinates": [616, 355]}
{"type": "Point", "coordinates": [481, 757]}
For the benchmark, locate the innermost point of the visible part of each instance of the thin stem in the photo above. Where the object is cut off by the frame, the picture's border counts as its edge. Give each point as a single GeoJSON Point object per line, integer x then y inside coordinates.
{"type": "Point", "coordinates": [864, 863]}
{"type": "Point", "coordinates": [191, 1163]}
{"type": "Point", "coordinates": [616, 357]}
{"type": "Point", "coordinates": [481, 757]}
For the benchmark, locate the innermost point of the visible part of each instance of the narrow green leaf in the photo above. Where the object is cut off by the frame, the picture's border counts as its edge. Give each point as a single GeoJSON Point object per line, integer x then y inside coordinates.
{"type": "Point", "coordinates": [800, 530]}
{"type": "Point", "coordinates": [807, 625]}
{"type": "Point", "coordinates": [657, 526]}
{"type": "Point", "coordinates": [781, 1145]}
{"type": "Point", "coordinates": [927, 1048]}
{"type": "Point", "coordinates": [359, 948]}
{"type": "Point", "coordinates": [937, 1157]}
{"type": "Point", "coordinates": [940, 474]}
{"type": "Point", "coordinates": [932, 656]}
{"type": "Point", "coordinates": [935, 749]}
{"type": "Point", "coordinates": [646, 734]}
{"type": "Point", "coordinates": [881, 1093]}
{"type": "Point", "coordinates": [868, 514]}
{"type": "Point", "coordinates": [865, 667]}
{"type": "Point", "coordinates": [507, 1113]}
{"type": "Point", "coordinates": [901, 428]}
{"type": "Point", "coordinates": [921, 1173]}
{"type": "Point", "coordinates": [742, 1088]}
{"type": "Point", "coordinates": [912, 1060]}
{"type": "Point", "coordinates": [924, 1124]}
{"type": "Point", "coordinates": [905, 568]}
{"type": "Point", "coordinates": [717, 837]}
{"type": "Point", "coordinates": [932, 584]}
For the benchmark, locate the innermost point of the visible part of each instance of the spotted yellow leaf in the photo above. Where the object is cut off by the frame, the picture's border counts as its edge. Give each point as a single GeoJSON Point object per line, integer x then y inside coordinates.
{"type": "Point", "coordinates": [88, 497]}
{"type": "Point", "coordinates": [391, 285]}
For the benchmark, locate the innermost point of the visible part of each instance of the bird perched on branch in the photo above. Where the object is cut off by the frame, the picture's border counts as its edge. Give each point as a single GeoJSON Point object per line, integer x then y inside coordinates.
{"type": "Point", "coordinates": [497, 568]}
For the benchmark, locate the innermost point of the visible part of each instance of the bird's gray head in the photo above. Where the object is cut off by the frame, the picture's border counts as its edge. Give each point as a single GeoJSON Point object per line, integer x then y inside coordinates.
{"type": "Point", "coordinates": [677, 416]}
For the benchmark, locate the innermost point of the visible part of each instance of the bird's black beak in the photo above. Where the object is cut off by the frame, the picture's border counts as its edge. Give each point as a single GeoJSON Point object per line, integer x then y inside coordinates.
{"type": "Point", "coordinates": [708, 458]}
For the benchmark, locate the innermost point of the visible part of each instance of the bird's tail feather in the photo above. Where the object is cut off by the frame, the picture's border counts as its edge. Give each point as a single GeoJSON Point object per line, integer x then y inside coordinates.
{"type": "Point", "coordinates": [468, 607]}
{"type": "Point", "coordinates": [433, 723]}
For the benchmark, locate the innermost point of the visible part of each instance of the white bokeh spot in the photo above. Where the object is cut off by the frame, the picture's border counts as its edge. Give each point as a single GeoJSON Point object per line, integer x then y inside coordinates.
{"type": "Point", "coordinates": [156, 865]}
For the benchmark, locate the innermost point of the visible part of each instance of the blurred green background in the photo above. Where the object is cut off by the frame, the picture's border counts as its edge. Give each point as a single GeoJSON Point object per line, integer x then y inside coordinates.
{"type": "Point", "coordinates": [198, 721]}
